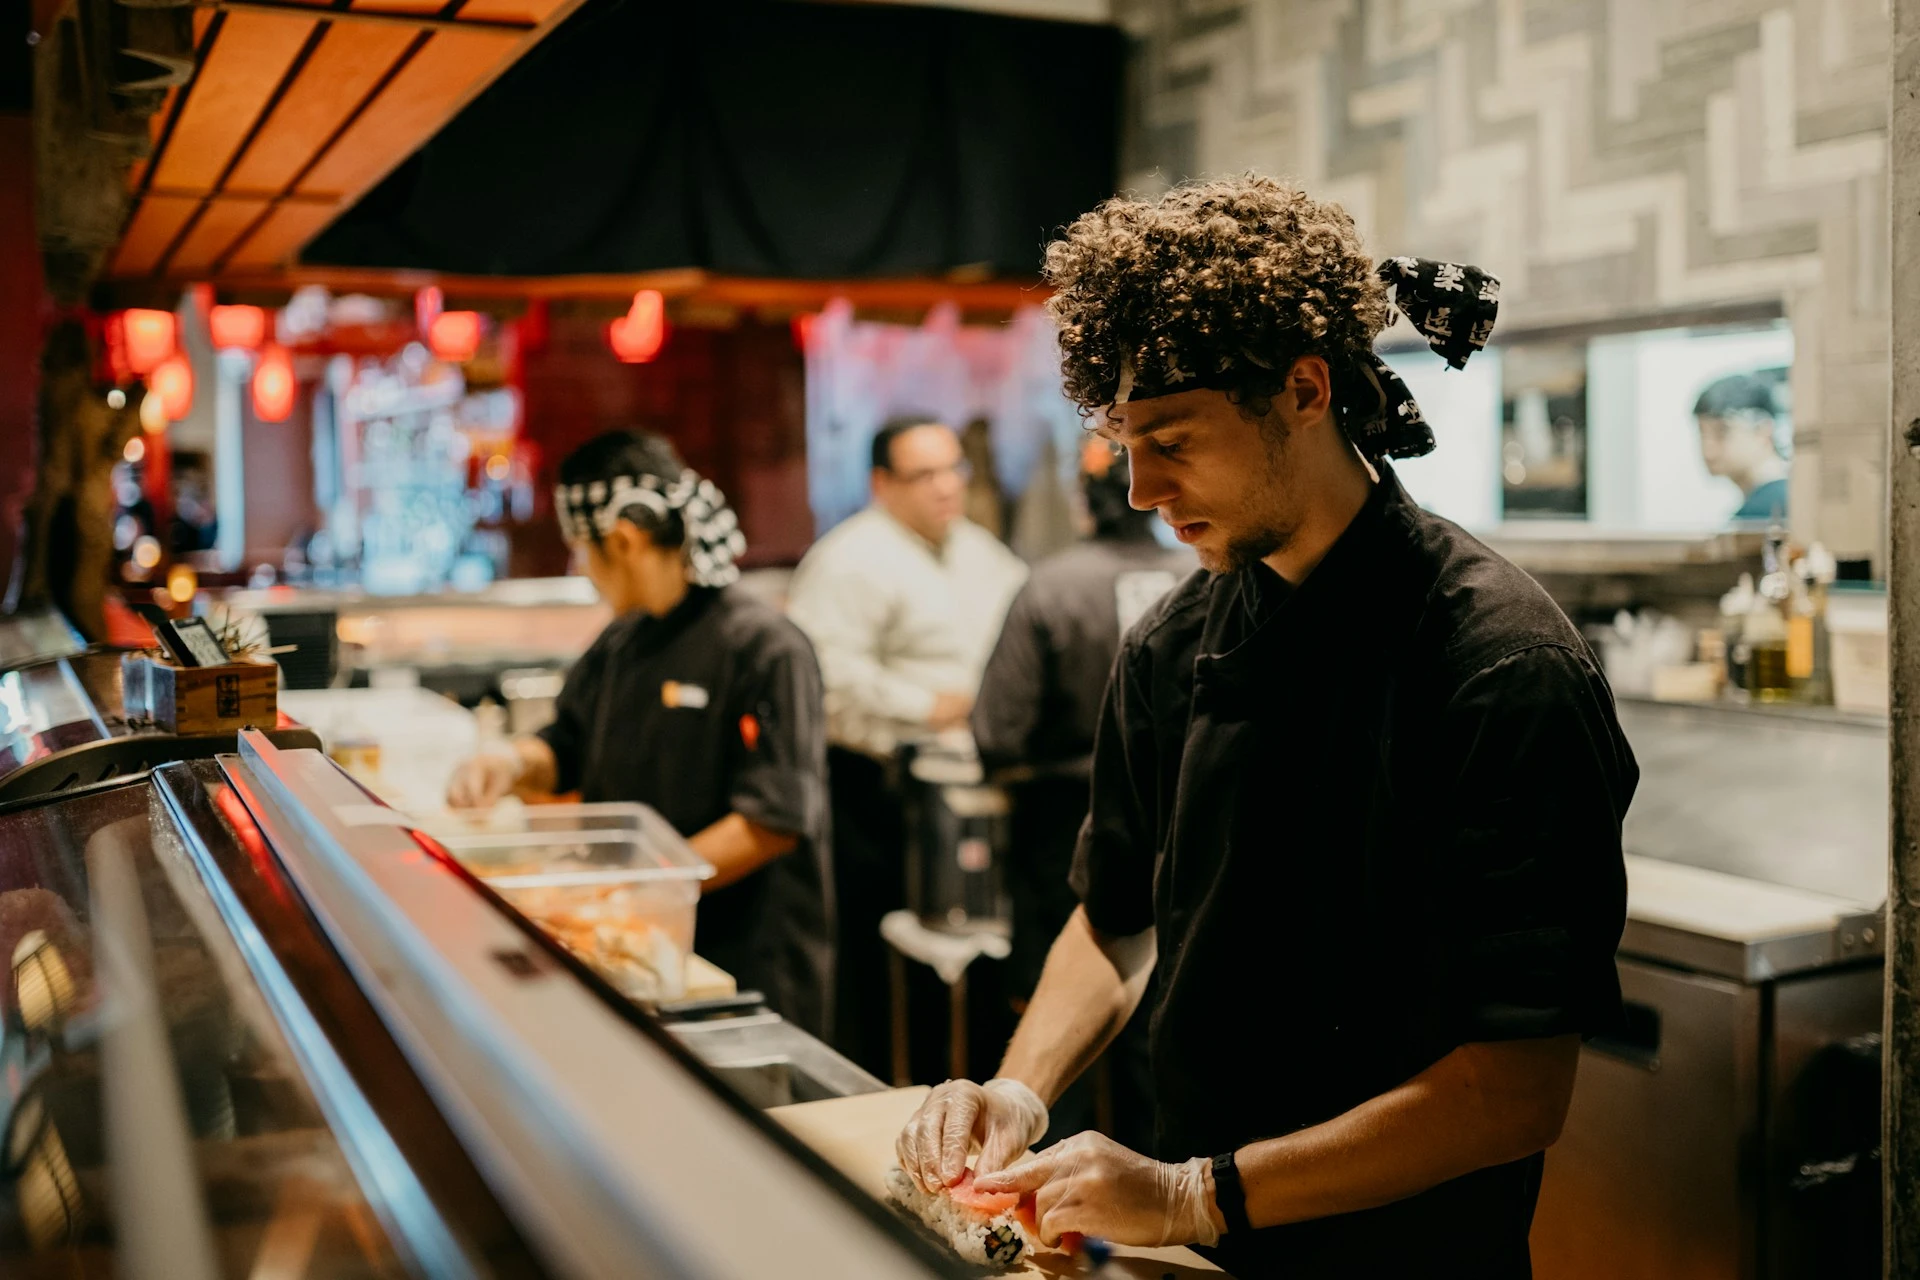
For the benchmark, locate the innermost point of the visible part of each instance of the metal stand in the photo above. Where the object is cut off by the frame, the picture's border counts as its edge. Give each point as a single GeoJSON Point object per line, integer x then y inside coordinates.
{"type": "Point", "coordinates": [948, 955]}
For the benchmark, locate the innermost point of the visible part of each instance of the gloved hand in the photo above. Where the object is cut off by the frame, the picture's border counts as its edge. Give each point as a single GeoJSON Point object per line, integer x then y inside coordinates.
{"type": "Point", "coordinates": [479, 781]}
{"type": "Point", "coordinates": [1004, 1116]}
{"type": "Point", "coordinates": [1092, 1185]}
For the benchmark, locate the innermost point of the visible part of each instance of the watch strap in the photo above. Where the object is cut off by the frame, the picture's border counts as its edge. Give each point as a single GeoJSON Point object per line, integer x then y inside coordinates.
{"type": "Point", "coordinates": [1229, 1196]}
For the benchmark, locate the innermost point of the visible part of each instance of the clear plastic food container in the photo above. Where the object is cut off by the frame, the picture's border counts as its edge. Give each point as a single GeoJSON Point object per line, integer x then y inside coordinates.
{"type": "Point", "coordinates": [613, 883]}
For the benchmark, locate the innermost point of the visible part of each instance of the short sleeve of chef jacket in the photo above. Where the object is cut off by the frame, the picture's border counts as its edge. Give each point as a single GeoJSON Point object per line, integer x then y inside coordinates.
{"type": "Point", "coordinates": [574, 711]}
{"type": "Point", "coordinates": [778, 778]}
{"type": "Point", "coordinates": [1532, 778]}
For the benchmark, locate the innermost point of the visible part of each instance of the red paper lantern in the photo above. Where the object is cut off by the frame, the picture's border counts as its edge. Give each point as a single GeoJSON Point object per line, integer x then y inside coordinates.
{"type": "Point", "coordinates": [638, 336]}
{"type": "Point", "coordinates": [237, 328]}
{"type": "Point", "coordinates": [149, 338]}
{"type": "Point", "coordinates": [172, 381]}
{"type": "Point", "coordinates": [455, 335]}
{"type": "Point", "coordinates": [273, 385]}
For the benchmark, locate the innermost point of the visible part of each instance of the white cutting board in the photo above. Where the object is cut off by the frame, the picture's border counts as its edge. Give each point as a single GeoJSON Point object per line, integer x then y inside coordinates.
{"type": "Point", "coordinates": [855, 1135]}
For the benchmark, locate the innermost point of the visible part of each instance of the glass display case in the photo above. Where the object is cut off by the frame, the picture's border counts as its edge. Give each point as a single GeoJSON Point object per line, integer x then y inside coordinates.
{"type": "Point", "coordinates": [256, 1024]}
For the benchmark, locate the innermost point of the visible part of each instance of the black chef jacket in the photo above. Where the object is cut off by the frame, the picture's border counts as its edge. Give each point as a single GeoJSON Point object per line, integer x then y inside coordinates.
{"type": "Point", "coordinates": [715, 709]}
{"type": "Point", "coordinates": [1372, 818]}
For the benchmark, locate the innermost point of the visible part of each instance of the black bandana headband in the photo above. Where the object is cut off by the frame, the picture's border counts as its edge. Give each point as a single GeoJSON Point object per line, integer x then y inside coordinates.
{"type": "Point", "coordinates": [1451, 304]}
{"type": "Point", "coordinates": [714, 540]}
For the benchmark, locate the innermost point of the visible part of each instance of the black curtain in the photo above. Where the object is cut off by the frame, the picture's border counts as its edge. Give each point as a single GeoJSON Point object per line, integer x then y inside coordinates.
{"type": "Point", "coordinates": [775, 139]}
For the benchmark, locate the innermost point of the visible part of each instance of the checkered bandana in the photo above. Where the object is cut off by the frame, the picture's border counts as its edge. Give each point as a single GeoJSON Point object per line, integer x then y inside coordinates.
{"type": "Point", "coordinates": [1452, 305]}
{"type": "Point", "coordinates": [714, 540]}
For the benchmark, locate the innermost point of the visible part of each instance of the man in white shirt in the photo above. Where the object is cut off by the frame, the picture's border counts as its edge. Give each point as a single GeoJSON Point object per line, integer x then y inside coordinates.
{"type": "Point", "coordinates": [903, 603]}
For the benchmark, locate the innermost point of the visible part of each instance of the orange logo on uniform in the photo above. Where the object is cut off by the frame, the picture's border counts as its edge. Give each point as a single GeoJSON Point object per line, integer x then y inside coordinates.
{"type": "Point", "coordinates": [750, 732]}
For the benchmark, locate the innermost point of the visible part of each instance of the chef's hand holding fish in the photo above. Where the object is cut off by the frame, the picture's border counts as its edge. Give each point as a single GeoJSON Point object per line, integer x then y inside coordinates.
{"type": "Point", "coordinates": [1091, 1185]}
{"type": "Point", "coordinates": [1003, 1116]}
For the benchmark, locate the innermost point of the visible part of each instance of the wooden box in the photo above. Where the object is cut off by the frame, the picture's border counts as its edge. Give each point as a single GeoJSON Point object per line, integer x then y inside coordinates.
{"type": "Point", "coordinates": [223, 699]}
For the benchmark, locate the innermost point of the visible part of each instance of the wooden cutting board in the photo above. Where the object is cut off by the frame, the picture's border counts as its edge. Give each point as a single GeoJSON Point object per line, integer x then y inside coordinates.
{"type": "Point", "coordinates": [855, 1135]}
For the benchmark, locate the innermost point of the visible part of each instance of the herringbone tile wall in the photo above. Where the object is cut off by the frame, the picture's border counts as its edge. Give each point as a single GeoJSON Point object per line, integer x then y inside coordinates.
{"type": "Point", "coordinates": [1606, 158]}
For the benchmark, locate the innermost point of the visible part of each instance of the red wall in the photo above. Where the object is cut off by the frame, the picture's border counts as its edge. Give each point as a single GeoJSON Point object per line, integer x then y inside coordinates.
{"type": "Point", "coordinates": [23, 314]}
{"type": "Point", "coordinates": [732, 401]}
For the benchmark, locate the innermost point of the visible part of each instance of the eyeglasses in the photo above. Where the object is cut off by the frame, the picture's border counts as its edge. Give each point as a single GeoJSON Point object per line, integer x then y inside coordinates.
{"type": "Point", "coordinates": [921, 475]}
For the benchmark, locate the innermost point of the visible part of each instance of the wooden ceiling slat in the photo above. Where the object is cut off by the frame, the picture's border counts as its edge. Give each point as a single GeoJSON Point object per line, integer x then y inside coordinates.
{"type": "Point", "coordinates": [416, 103]}
{"type": "Point", "coordinates": [152, 228]}
{"type": "Point", "coordinates": [348, 62]}
{"type": "Point", "coordinates": [403, 6]}
{"type": "Point", "coordinates": [225, 221]}
{"type": "Point", "coordinates": [240, 74]}
{"type": "Point", "coordinates": [510, 10]}
{"type": "Point", "coordinates": [280, 236]}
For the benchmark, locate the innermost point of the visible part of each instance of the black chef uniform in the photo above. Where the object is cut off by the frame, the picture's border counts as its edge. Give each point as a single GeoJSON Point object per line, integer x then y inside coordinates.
{"type": "Point", "coordinates": [1373, 818]}
{"type": "Point", "coordinates": [715, 709]}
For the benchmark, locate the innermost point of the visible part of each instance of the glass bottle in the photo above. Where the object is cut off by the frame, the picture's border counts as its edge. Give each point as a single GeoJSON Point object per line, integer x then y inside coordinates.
{"type": "Point", "coordinates": [1733, 619]}
{"type": "Point", "coordinates": [1764, 634]}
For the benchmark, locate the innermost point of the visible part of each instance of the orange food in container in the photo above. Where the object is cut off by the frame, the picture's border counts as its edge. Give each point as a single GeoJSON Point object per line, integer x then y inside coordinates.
{"type": "Point", "coordinates": [613, 883]}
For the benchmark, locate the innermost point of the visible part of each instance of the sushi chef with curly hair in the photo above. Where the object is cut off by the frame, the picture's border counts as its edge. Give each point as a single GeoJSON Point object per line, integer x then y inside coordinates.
{"type": "Point", "coordinates": [1357, 787]}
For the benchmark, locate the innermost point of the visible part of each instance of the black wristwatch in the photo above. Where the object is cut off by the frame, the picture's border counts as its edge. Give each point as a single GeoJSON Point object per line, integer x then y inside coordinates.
{"type": "Point", "coordinates": [1228, 1194]}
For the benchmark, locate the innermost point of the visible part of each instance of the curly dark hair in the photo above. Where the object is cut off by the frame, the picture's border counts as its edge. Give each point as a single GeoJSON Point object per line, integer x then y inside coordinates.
{"type": "Point", "coordinates": [1244, 274]}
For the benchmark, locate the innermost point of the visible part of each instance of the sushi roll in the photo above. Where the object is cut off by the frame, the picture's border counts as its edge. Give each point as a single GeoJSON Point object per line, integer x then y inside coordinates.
{"type": "Point", "coordinates": [987, 1230]}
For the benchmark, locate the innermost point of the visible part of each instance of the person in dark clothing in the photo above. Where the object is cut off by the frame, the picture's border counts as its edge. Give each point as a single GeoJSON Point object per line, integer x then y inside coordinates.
{"type": "Point", "coordinates": [1034, 724]}
{"type": "Point", "coordinates": [701, 701]}
{"type": "Point", "coordinates": [1357, 788]}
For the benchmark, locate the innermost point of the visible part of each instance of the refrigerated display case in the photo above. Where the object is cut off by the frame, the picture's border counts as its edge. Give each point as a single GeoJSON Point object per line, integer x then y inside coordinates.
{"type": "Point", "coordinates": [257, 1024]}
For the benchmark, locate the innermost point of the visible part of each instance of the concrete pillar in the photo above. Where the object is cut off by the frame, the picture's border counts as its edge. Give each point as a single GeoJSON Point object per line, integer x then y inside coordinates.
{"type": "Point", "coordinates": [1901, 1145]}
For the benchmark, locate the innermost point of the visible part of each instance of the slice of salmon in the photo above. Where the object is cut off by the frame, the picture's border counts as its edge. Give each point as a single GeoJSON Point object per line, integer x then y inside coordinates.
{"type": "Point", "coordinates": [987, 1204]}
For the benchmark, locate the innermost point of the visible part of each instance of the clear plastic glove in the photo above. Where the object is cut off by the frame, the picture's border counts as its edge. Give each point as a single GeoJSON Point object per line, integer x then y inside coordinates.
{"type": "Point", "coordinates": [480, 781]}
{"type": "Point", "coordinates": [1003, 1116]}
{"type": "Point", "coordinates": [1092, 1185]}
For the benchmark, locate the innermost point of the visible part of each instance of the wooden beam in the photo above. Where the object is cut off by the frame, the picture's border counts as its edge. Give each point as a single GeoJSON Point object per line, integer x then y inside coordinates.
{"type": "Point", "coordinates": [682, 284]}
{"type": "Point", "coordinates": [418, 21]}
{"type": "Point", "coordinates": [1900, 1066]}
{"type": "Point", "coordinates": [371, 177]}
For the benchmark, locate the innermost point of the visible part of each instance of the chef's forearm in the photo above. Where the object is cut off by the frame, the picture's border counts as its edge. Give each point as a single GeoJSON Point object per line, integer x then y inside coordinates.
{"type": "Point", "coordinates": [737, 846]}
{"type": "Point", "coordinates": [1088, 989]}
{"type": "Point", "coordinates": [1481, 1105]}
{"type": "Point", "coordinates": [539, 770]}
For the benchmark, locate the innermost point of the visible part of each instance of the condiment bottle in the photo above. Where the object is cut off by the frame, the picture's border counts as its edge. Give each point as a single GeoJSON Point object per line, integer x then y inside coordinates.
{"type": "Point", "coordinates": [1764, 633]}
{"type": "Point", "coordinates": [1821, 569]}
{"type": "Point", "coordinates": [1733, 620]}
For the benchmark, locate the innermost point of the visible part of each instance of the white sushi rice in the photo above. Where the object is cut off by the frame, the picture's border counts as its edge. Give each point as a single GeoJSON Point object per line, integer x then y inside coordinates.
{"type": "Point", "coordinates": [999, 1241]}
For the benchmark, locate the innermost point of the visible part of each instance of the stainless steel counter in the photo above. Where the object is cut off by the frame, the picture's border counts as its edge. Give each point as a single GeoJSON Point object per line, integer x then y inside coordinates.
{"type": "Point", "coordinates": [770, 1062]}
{"type": "Point", "coordinates": [1739, 928]}
{"type": "Point", "coordinates": [1797, 799]}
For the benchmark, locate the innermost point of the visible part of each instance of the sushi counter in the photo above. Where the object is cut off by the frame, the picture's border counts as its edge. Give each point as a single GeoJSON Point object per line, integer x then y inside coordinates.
{"type": "Point", "coordinates": [257, 1022]}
